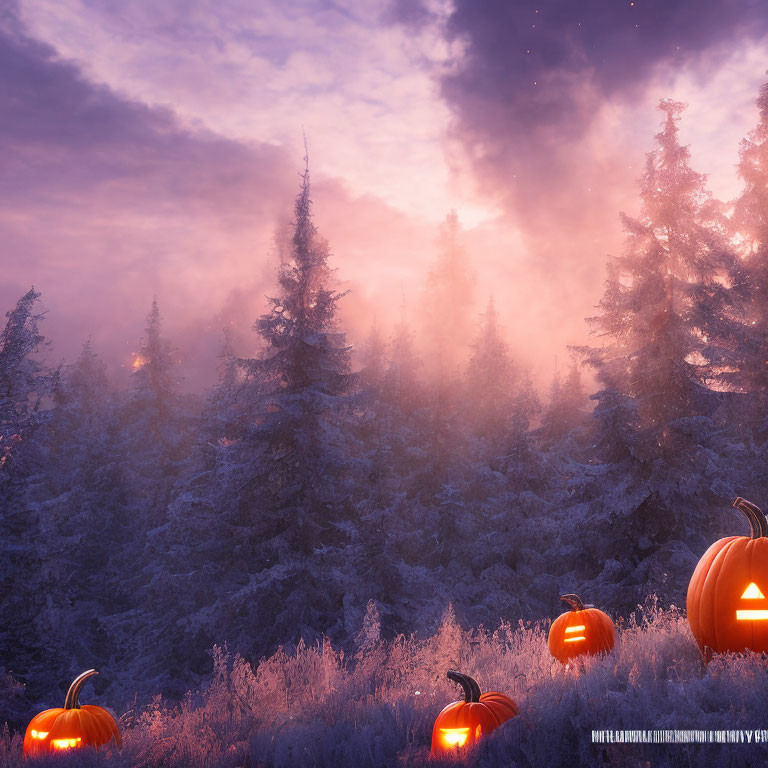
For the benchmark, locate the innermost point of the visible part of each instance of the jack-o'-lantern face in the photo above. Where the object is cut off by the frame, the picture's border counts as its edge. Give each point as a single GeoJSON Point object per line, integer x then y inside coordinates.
{"type": "Point", "coordinates": [727, 606]}
{"type": "Point", "coordinates": [71, 726]}
{"type": "Point", "coordinates": [581, 630]}
{"type": "Point", "coordinates": [575, 633]}
{"type": "Point", "coordinates": [453, 738]}
{"type": "Point", "coordinates": [752, 593]}
{"type": "Point", "coordinates": [463, 723]}
{"type": "Point", "coordinates": [55, 744]}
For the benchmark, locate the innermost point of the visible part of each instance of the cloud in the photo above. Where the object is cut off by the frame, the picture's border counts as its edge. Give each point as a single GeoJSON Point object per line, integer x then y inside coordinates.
{"type": "Point", "coordinates": [543, 68]}
{"type": "Point", "coordinates": [553, 107]}
{"type": "Point", "coordinates": [536, 83]}
{"type": "Point", "coordinates": [261, 71]}
{"type": "Point", "coordinates": [145, 152]}
{"type": "Point", "coordinates": [106, 201]}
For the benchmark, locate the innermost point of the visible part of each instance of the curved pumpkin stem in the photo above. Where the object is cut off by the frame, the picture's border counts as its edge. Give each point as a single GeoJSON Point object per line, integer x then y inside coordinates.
{"type": "Point", "coordinates": [470, 686]}
{"type": "Point", "coordinates": [753, 513]}
{"type": "Point", "coordinates": [573, 602]}
{"type": "Point", "coordinates": [73, 694]}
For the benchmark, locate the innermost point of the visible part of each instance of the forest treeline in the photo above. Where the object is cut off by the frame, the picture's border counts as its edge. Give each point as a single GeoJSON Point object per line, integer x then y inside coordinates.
{"type": "Point", "coordinates": [140, 529]}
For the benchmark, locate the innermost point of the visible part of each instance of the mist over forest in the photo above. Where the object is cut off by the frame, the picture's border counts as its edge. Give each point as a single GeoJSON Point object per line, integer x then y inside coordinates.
{"type": "Point", "coordinates": [144, 525]}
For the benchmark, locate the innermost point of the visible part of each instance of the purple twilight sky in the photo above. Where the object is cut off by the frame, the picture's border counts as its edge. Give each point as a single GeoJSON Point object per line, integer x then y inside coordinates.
{"type": "Point", "coordinates": [153, 148]}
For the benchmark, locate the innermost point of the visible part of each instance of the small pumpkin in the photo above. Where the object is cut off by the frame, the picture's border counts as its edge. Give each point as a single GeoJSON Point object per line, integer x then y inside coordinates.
{"type": "Point", "coordinates": [583, 629]}
{"type": "Point", "coordinates": [726, 602]}
{"type": "Point", "coordinates": [72, 726]}
{"type": "Point", "coordinates": [462, 723]}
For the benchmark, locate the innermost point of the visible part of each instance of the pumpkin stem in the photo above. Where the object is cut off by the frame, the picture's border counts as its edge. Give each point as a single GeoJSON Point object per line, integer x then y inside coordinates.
{"type": "Point", "coordinates": [573, 602]}
{"type": "Point", "coordinates": [73, 694]}
{"type": "Point", "coordinates": [753, 513]}
{"type": "Point", "coordinates": [470, 686]}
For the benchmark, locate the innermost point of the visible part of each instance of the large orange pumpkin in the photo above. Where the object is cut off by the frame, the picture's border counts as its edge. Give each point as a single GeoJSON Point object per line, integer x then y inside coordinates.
{"type": "Point", "coordinates": [463, 722]}
{"type": "Point", "coordinates": [583, 629]}
{"type": "Point", "coordinates": [72, 726]}
{"type": "Point", "coordinates": [727, 605]}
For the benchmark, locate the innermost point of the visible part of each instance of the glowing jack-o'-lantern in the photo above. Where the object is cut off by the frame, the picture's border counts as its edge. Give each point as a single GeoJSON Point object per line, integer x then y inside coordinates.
{"type": "Point", "coordinates": [72, 726]}
{"type": "Point", "coordinates": [727, 607]}
{"type": "Point", "coordinates": [462, 723]}
{"type": "Point", "coordinates": [582, 630]}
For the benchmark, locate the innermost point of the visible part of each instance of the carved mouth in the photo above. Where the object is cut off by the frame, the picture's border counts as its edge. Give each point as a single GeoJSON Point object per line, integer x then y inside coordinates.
{"type": "Point", "coordinates": [751, 615]}
{"type": "Point", "coordinates": [571, 630]}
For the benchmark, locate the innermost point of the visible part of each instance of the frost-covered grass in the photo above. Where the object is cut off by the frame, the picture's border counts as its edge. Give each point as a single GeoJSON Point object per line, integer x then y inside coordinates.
{"type": "Point", "coordinates": [320, 708]}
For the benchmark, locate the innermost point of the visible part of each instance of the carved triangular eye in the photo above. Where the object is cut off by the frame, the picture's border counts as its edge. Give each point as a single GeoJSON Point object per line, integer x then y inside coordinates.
{"type": "Point", "coordinates": [752, 592]}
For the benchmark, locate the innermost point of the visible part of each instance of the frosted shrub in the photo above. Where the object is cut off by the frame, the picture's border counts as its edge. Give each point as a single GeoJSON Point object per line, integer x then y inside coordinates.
{"type": "Point", "coordinates": [375, 707]}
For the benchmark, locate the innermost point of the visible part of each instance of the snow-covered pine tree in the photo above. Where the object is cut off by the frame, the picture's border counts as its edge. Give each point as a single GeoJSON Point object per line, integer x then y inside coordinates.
{"type": "Point", "coordinates": [448, 303]}
{"type": "Point", "coordinates": [222, 417]}
{"type": "Point", "coordinates": [156, 425]}
{"type": "Point", "coordinates": [307, 371]}
{"type": "Point", "coordinates": [492, 381]}
{"type": "Point", "coordinates": [278, 495]}
{"type": "Point", "coordinates": [154, 382]}
{"type": "Point", "coordinates": [401, 386]}
{"type": "Point", "coordinates": [750, 222]}
{"type": "Point", "coordinates": [567, 405]}
{"type": "Point", "coordinates": [155, 422]}
{"type": "Point", "coordinates": [24, 383]}
{"type": "Point", "coordinates": [26, 390]}
{"type": "Point", "coordinates": [666, 313]}
{"type": "Point", "coordinates": [394, 422]}
{"type": "Point", "coordinates": [373, 360]}
{"type": "Point", "coordinates": [670, 335]}
{"type": "Point", "coordinates": [84, 525]}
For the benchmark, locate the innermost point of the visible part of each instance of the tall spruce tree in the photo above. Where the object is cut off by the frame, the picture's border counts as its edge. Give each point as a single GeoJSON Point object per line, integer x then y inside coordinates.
{"type": "Point", "coordinates": [750, 222]}
{"type": "Point", "coordinates": [492, 381]}
{"type": "Point", "coordinates": [85, 526]}
{"type": "Point", "coordinates": [666, 312]}
{"type": "Point", "coordinates": [401, 386]}
{"type": "Point", "coordinates": [567, 404]}
{"type": "Point", "coordinates": [447, 306]}
{"type": "Point", "coordinates": [277, 492]}
{"type": "Point", "coordinates": [373, 361]}
{"type": "Point", "coordinates": [26, 390]}
{"type": "Point", "coordinates": [307, 372]}
{"type": "Point", "coordinates": [24, 383]}
{"type": "Point", "coordinates": [671, 335]}
{"type": "Point", "coordinates": [155, 423]}
{"type": "Point", "coordinates": [448, 303]}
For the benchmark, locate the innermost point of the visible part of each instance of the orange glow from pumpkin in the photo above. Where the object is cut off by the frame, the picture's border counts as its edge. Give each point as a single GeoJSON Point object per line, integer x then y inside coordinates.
{"type": "Point", "coordinates": [66, 743]}
{"type": "Point", "coordinates": [39, 734]}
{"type": "Point", "coordinates": [752, 615]}
{"type": "Point", "coordinates": [454, 737]}
{"type": "Point", "coordinates": [571, 630]}
{"type": "Point", "coordinates": [752, 592]}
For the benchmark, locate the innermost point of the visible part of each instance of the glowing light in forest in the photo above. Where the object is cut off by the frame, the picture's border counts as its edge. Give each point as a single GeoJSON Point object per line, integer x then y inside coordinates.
{"type": "Point", "coordinates": [138, 362]}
